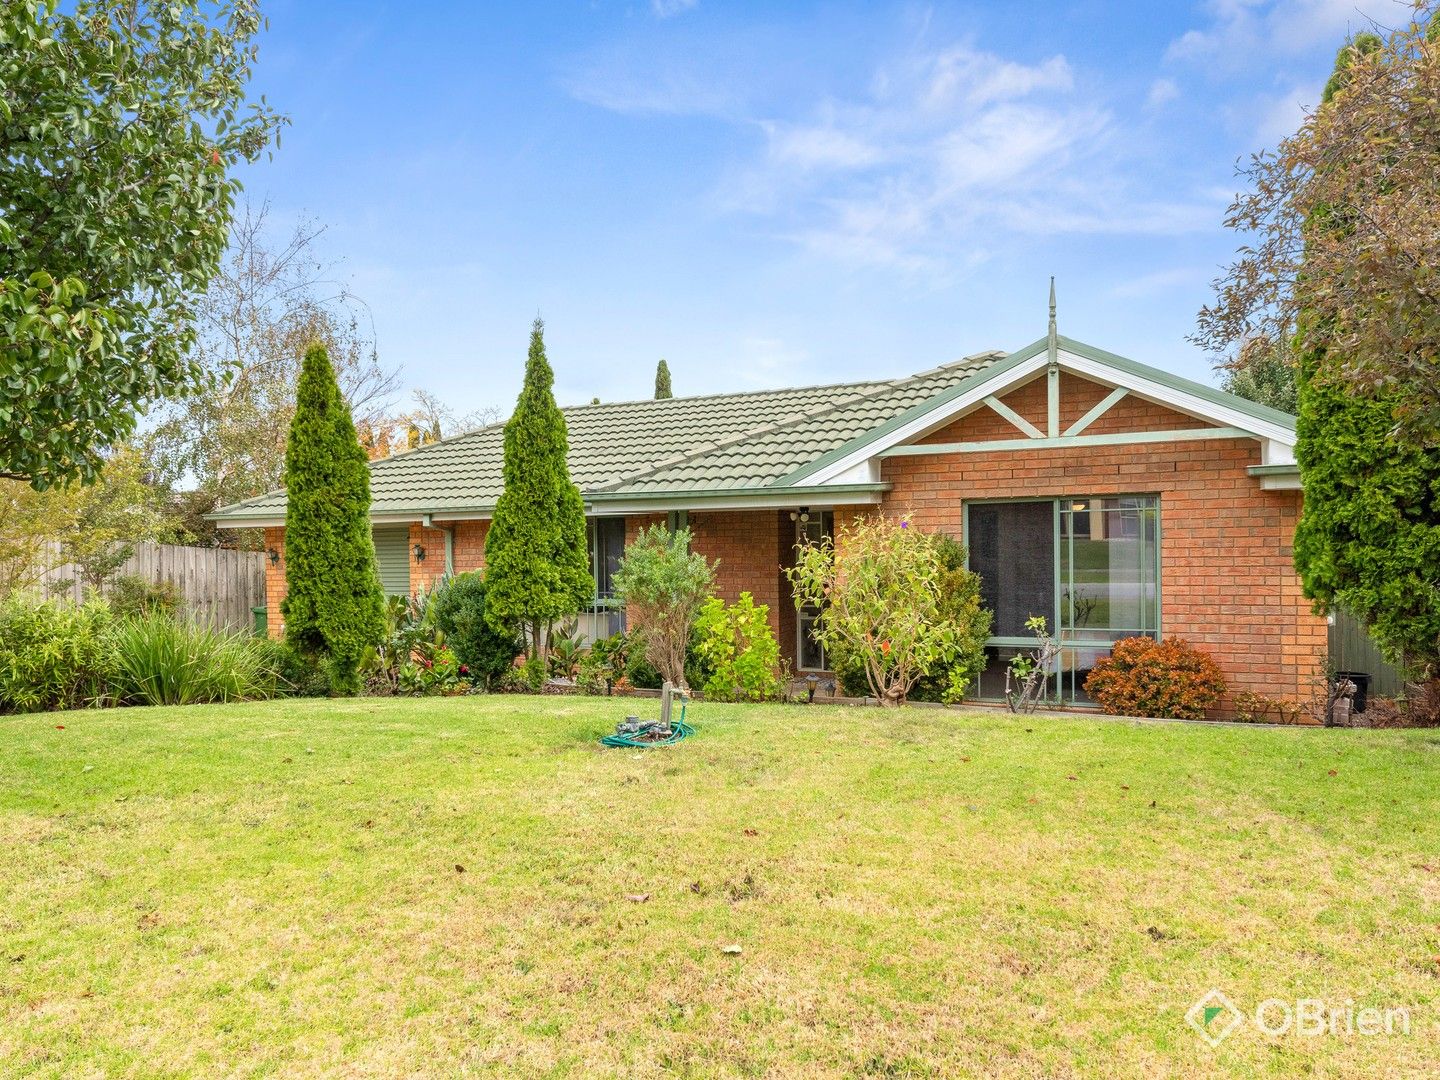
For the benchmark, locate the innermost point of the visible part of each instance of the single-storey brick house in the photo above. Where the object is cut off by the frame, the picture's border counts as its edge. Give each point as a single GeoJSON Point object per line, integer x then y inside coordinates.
{"type": "Point", "coordinates": [1111, 497]}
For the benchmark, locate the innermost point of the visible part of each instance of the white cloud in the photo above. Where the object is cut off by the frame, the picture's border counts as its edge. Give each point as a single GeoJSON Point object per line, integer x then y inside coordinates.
{"type": "Point", "coordinates": [1239, 32]}
{"type": "Point", "coordinates": [1277, 116]}
{"type": "Point", "coordinates": [668, 9]}
{"type": "Point", "coordinates": [935, 161]}
{"type": "Point", "coordinates": [1162, 92]}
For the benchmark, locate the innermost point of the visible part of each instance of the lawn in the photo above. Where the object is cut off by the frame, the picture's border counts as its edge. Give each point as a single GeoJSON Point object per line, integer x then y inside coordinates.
{"type": "Point", "coordinates": [471, 886]}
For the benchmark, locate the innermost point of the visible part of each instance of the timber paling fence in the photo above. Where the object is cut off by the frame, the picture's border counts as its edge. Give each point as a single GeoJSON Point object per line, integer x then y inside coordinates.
{"type": "Point", "coordinates": [217, 585]}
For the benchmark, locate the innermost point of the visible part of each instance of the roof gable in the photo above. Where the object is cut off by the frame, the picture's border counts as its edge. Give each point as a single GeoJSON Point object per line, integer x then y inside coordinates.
{"type": "Point", "coordinates": [842, 464]}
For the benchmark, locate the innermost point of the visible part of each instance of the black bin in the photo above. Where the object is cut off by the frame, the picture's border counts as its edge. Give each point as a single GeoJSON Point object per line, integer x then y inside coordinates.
{"type": "Point", "coordinates": [1361, 679]}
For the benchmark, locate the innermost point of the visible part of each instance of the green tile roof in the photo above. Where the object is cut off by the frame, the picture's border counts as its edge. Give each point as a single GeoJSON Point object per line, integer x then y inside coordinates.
{"type": "Point", "coordinates": [647, 449]}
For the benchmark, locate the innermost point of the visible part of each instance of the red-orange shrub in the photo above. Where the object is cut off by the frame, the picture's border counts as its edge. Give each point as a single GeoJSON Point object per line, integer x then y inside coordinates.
{"type": "Point", "coordinates": [1145, 677]}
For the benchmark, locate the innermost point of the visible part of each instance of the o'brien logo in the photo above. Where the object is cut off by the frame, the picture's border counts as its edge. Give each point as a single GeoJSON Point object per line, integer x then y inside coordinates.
{"type": "Point", "coordinates": [1215, 1018]}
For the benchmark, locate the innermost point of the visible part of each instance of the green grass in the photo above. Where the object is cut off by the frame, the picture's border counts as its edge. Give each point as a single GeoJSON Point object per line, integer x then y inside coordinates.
{"type": "Point", "coordinates": [273, 889]}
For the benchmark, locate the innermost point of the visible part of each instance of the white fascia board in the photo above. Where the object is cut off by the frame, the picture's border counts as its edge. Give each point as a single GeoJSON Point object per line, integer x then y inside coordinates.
{"type": "Point", "coordinates": [1172, 398]}
{"type": "Point", "coordinates": [924, 424]}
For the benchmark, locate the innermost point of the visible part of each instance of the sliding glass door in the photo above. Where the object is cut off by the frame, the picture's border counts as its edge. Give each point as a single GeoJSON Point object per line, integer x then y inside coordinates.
{"type": "Point", "coordinates": [1089, 566]}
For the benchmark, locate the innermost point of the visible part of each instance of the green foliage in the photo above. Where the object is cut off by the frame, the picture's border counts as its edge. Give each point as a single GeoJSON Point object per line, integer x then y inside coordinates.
{"type": "Point", "coordinates": [1265, 375]}
{"type": "Point", "coordinates": [52, 655]}
{"type": "Point", "coordinates": [334, 607]}
{"type": "Point", "coordinates": [120, 126]}
{"type": "Point", "coordinates": [297, 673]}
{"type": "Point", "coordinates": [131, 595]}
{"type": "Point", "coordinates": [536, 557]}
{"type": "Point", "coordinates": [662, 381]}
{"type": "Point", "coordinates": [663, 584]}
{"type": "Point", "coordinates": [158, 660]}
{"type": "Point", "coordinates": [457, 608]}
{"type": "Point", "coordinates": [882, 595]}
{"type": "Point", "coordinates": [1362, 44]}
{"type": "Point", "coordinates": [952, 674]}
{"type": "Point", "coordinates": [433, 671]}
{"type": "Point", "coordinates": [1145, 677]}
{"type": "Point", "coordinates": [408, 632]}
{"type": "Point", "coordinates": [737, 649]}
{"type": "Point", "coordinates": [566, 649]}
{"type": "Point", "coordinates": [604, 664]}
{"type": "Point", "coordinates": [1368, 539]}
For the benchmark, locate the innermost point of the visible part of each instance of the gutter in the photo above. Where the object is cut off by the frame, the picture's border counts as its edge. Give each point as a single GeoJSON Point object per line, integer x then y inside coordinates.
{"type": "Point", "coordinates": [617, 502]}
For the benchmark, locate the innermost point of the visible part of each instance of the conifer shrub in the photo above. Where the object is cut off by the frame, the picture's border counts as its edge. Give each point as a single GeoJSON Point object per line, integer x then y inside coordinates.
{"type": "Point", "coordinates": [537, 561]}
{"type": "Point", "coordinates": [334, 606]}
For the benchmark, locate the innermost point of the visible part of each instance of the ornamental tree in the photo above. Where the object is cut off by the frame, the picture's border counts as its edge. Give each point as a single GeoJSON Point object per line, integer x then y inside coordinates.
{"type": "Point", "coordinates": [1366, 165]}
{"type": "Point", "coordinates": [882, 595]}
{"type": "Point", "coordinates": [1368, 539]}
{"type": "Point", "coordinates": [121, 122]}
{"type": "Point", "coordinates": [537, 562]}
{"type": "Point", "coordinates": [334, 606]}
{"type": "Point", "coordinates": [664, 585]}
{"type": "Point", "coordinates": [662, 381]}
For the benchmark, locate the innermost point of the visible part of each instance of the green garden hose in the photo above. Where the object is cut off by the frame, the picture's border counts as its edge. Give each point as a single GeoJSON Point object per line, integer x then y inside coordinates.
{"type": "Point", "coordinates": [678, 730]}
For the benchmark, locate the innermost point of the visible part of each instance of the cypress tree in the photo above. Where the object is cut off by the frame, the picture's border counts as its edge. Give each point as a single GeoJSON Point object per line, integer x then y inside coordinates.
{"type": "Point", "coordinates": [1368, 539]}
{"type": "Point", "coordinates": [537, 563]}
{"type": "Point", "coordinates": [334, 607]}
{"type": "Point", "coordinates": [662, 381]}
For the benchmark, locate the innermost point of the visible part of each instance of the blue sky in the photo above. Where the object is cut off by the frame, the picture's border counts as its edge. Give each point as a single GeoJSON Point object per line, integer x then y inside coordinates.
{"type": "Point", "coordinates": [772, 194]}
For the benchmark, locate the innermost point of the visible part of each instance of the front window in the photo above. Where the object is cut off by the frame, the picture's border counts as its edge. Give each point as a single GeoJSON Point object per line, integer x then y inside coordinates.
{"type": "Point", "coordinates": [810, 654]}
{"type": "Point", "coordinates": [1090, 566]}
{"type": "Point", "coordinates": [607, 546]}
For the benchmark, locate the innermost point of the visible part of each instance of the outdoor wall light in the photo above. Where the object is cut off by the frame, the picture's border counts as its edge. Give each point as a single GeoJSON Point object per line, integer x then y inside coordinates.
{"type": "Point", "coordinates": [274, 557]}
{"type": "Point", "coordinates": [419, 552]}
{"type": "Point", "coordinates": [802, 515]}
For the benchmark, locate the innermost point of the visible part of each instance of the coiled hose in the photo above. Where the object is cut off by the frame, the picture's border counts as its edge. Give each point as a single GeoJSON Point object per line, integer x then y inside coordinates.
{"type": "Point", "coordinates": [678, 730]}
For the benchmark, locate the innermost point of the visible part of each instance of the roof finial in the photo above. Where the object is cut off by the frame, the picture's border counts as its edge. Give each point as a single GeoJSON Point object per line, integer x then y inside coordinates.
{"type": "Point", "coordinates": [1054, 338]}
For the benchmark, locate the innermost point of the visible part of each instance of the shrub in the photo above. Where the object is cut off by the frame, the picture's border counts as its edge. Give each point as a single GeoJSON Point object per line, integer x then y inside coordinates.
{"type": "Point", "coordinates": [457, 608]}
{"type": "Point", "coordinates": [883, 604]}
{"type": "Point", "coordinates": [163, 661]}
{"type": "Point", "coordinates": [297, 674]}
{"type": "Point", "coordinates": [131, 595]}
{"type": "Point", "coordinates": [951, 675]}
{"type": "Point", "coordinates": [1145, 677]}
{"type": "Point", "coordinates": [53, 655]}
{"type": "Point", "coordinates": [663, 583]}
{"type": "Point", "coordinates": [334, 607]}
{"type": "Point", "coordinates": [737, 650]}
{"type": "Point", "coordinates": [435, 672]}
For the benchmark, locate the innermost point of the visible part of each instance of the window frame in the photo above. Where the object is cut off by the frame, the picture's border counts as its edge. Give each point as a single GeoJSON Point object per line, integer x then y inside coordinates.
{"type": "Point", "coordinates": [1053, 620]}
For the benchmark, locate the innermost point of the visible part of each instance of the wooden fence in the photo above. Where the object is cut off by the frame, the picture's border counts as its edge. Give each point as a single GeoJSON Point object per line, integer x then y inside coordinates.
{"type": "Point", "coordinates": [218, 585]}
{"type": "Point", "coordinates": [1351, 649]}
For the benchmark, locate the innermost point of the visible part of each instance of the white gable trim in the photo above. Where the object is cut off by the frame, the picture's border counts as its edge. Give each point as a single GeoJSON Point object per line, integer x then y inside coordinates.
{"type": "Point", "coordinates": [1277, 441]}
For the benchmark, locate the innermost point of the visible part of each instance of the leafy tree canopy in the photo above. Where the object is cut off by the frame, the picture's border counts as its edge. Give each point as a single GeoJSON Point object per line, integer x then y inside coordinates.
{"type": "Point", "coordinates": [1363, 289]}
{"type": "Point", "coordinates": [120, 124]}
{"type": "Point", "coordinates": [662, 381]}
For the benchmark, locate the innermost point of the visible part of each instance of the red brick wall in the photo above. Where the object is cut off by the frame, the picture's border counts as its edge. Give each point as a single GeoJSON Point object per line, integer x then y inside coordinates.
{"type": "Point", "coordinates": [748, 549]}
{"type": "Point", "coordinates": [469, 553]}
{"type": "Point", "coordinates": [274, 581]}
{"type": "Point", "coordinates": [1227, 581]}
